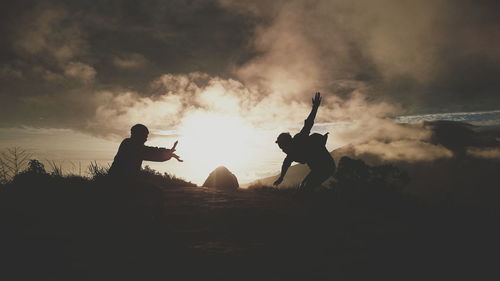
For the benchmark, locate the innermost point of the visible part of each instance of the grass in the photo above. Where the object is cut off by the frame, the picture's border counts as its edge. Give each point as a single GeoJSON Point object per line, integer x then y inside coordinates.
{"type": "Point", "coordinates": [64, 227]}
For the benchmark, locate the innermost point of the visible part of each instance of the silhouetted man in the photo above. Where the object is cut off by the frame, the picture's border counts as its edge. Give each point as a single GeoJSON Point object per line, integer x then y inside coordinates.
{"type": "Point", "coordinates": [132, 152]}
{"type": "Point", "coordinates": [307, 149]}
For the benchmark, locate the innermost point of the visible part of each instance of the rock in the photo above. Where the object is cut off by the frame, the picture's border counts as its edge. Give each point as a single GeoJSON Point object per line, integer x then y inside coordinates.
{"type": "Point", "coordinates": [221, 178]}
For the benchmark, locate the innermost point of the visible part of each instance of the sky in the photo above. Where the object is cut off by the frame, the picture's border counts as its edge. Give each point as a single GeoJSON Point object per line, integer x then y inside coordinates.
{"type": "Point", "coordinates": [225, 77]}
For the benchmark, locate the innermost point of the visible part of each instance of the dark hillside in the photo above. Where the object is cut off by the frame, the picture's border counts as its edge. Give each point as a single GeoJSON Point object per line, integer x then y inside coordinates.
{"type": "Point", "coordinates": [69, 229]}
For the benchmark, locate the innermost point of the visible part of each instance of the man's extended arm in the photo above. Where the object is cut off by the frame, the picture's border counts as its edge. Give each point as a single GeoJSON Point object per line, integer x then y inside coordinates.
{"type": "Point", "coordinates": [159, 154]}
{"type": "Point", "coordinates": [286, 164]}
{"type": "Point", "coordinates": [309, 122]}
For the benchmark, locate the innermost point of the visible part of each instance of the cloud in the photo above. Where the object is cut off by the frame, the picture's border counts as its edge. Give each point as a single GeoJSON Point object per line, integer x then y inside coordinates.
{"type": "Point", "coordinates": [116, 112]}
{"type": "Point", "coordinates": [180, 97]}
{"type": "Point", "coordinates": [262, 60]}
{"type": "Point", "coordinates": [47, 74]}
{"type": "Point", "coordinates": [51, 39]}
{"type": "Point", "coordinates": [420, 54]}
{"type": "Point", "coordinates": [130, 61]}
{"type": "Point", "coordinates": [50, 31]}
{"type": "Point", "coordinates": [488, 153]}
{"type": "Point", "coordinates": [8, 71]}
{"type": "Point", "coordinates": [288, 63]}
{"type": "Point", "coordinates": [80, 71]}
{"type": "Point", "coordinates": [402, 150]}
{"type": "Point", "coordinates": [386, 140]}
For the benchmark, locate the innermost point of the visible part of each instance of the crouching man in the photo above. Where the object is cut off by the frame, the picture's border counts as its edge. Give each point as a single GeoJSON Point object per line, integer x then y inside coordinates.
{"type": "Point", "coordinates": [128, 187]}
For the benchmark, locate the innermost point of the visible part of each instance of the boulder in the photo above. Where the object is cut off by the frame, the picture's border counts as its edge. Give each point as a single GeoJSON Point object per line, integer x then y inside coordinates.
{"type": "Point", "coordinates": [221, 178]}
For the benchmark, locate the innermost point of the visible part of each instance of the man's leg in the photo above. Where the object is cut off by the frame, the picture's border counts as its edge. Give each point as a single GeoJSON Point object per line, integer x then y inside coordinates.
{"type": "Point", "coordinates": [305, 182]}
{"type": "Point", "coordinates": [314, 179]}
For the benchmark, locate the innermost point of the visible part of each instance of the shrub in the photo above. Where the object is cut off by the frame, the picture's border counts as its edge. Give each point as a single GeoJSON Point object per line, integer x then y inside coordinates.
{"type": "Point", "coordinates": [35, 167]}
{"type": "Point", "coordinates": [152, 176]}
{"type": "Point", "coordinates": [56, 170]}
{"type": "Point", "coordinates": [96, 172]}
{"type": "Point", "coordinates": [355, 178]}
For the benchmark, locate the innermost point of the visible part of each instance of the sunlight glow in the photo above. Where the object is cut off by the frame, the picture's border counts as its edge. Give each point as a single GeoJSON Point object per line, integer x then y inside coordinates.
{"type": "Point", "coordinates": [212, 139]}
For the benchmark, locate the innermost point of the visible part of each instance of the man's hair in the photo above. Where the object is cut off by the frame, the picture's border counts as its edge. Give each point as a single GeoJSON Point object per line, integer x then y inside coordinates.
{"type": "Point", "coordinates": [139, 130]}
{"type": "Point", "coordinates": [283, 137]}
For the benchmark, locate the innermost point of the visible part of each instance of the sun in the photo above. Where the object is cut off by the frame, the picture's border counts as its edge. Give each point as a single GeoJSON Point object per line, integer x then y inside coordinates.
{"type": "Point", "coordinates": [212, 139]}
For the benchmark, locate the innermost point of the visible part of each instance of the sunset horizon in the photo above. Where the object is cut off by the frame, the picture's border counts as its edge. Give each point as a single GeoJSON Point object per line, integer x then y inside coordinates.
{"type": "Point", "coordinates": [43, 148]}
{"type": "Point", "coordinates": [249, 140]}
{"type": "Point", "coordinates": [96, 73]}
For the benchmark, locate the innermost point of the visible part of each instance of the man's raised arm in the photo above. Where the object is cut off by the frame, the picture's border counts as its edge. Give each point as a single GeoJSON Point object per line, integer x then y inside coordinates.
{"type": "Point", "coordinates": [309, 122]}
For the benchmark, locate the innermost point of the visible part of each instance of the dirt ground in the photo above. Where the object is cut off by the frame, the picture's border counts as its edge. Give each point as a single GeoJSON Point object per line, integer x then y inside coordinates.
{"type": "Point", "coordinates": [246, 235]}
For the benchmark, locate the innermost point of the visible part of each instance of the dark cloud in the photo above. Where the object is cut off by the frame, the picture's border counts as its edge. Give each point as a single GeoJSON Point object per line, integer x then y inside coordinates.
{"type": "Point", "coordinates": [70, 63]}
{"type": "Point", "coordinates": [56, 56]}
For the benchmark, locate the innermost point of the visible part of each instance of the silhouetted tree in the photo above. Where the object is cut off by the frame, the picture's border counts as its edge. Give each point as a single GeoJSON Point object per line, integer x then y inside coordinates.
{"type": "Point", "coordinates": [3, 172]}
{"type": "Point", "coordinates": [12, 162]}
{"type": "Point", "coordinates": [35, 167]}
{"type": "Point", "coordinates": [33, 175]}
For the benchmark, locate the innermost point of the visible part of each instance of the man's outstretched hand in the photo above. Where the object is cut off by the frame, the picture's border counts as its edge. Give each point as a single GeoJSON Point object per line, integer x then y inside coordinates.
{"type": "Point", "coordinates": [172, 154]}
{"type": "Point", "coordinates": [316, 101]}
{"type": "Point", "coordinates": [177, 157]}
{"type": "Point", "coordinates": [278, 181]}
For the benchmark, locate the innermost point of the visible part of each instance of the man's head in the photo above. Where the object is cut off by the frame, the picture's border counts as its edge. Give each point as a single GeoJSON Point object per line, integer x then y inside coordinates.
{"type": "Point", "coordinates": [284, 141]}
{"type": "Point", "coordinates": [139, 132]}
